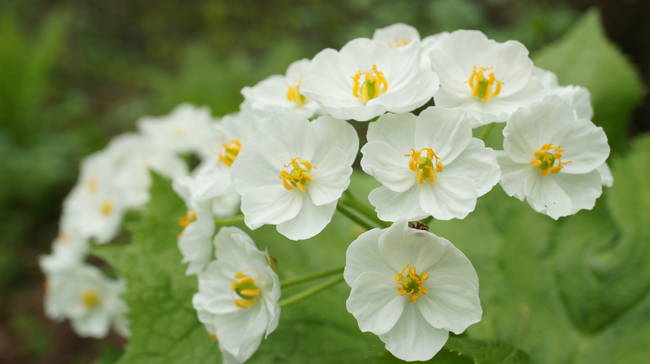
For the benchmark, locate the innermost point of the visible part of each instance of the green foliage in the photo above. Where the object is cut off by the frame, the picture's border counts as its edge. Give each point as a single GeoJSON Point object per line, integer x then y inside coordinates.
{"type": "Point", "coordinates": [586, 57]}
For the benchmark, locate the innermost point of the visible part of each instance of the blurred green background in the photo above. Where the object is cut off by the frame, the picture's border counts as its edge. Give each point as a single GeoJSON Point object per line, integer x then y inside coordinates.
{"type": "Point", "coordinates": [74, 73]}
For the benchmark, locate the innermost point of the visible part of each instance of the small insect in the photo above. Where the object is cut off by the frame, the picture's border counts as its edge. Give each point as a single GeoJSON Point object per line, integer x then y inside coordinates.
{"type": "Point", "coordinates": [418, 225]}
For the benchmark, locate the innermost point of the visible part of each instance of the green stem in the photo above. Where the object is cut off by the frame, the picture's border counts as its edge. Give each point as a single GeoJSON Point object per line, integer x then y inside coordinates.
{"type": "Point", "coordinates": [350, 215]}
{"type": "Point", "coordinates": [486, 132]}
{"type": "Point", "coordinates": [311, 291]}
{"type": "Point", "coordinates": [351, 202]}
{"type": "Point", "coordinates": [310, 277]}
{"type": "Point", "coordinates": [226, 221]}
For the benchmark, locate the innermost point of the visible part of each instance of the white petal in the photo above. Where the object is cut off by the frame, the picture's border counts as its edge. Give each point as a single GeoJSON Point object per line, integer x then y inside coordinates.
{"type": "Point", "coordinates": [375, 303]}
{"type": "Point", "coordinates": [387, 165]}
{"type": "Point", "coordinates": [363, 256]}
{"type": "Point", "coordinates": [446, 131]}
{"type": "Point", "coordinates": [412, 338]}
{"type": "Point", "coordinates": [477, 163]}
{"type": "Point", "coordinates": [400, 245]}
{"type": "Point", "coordinates": [331, 176]}
{"type": "Point", "coordinates": [606, 175]}
{"type": "Point", "coordinates": [271, 205]}
{"type": "Point", "coordinates": [449, 197]}
{"type": "Point", "coordinates": [585, 145]}
{"type": "Point", "coordinates": [309, 222]}
{"type": "Point", "coordinates": [397, 130]}
{"type": "Point", "coordinates": [582, 189]}
{"type": "Point", "coordinates": [452, 301]}
{"type": "Point", "coordinates": [393, 206]}
{"type": "Point", "coordinates": [516, 178]}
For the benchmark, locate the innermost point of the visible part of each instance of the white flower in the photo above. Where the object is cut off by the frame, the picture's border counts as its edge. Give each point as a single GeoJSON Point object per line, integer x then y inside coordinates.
{"type": "Point", "coordinates": [238, 295]}
{"type": "Point", "coordinates": [410, 287]}
{"type": "Point", "coordinates": [489, 79]}
{"type": "Point", "coordinates": [195, 241]}
{"type": "Point", "coordinates": [90, 300]}
{"type": "Point", "coordinates": [551, 158]}
{"type": "Point", "coordinates": [281, 92]}
{"type": "Point", "coordinates": [293, 174]}
{"type": "Point", "coordinates": [428, 165]}
{"type": "Point", "coordinates": [428, 45]}
{"type": "Point", "coordinates": [397, 36]}
{"type": "Point", "coordinates": [366, 79]}
{"type": "Point", "coordinates": [68, 249]}
{"type": "Point", "coordinates": [185, 130]}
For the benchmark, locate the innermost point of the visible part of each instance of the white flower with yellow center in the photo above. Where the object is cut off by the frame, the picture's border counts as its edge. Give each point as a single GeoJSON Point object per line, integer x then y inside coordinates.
{"type": "Point", "coordinates": [195, 240]}
{"type": "Point", "coordinates": [410, 287]}
{"type": "Point", "coordinates": [397, 36]}
{"type": "Point", "coordinates": [293, 174]}
{"type": "Point", "coordinates": [491, 80]}
{"type": "Point", "coordinates": [366, 78]}
{"type": "Point", "coordinates": [90, 300]}
{"type": "Point", "coordinates": [428, 165]}
{"type": "Point", "coordinates": [281, 92]}
{"type": "Point", "coordinates": [185, 130]}
{"type": "Point", "coordinates": [551, 158]}
{"type": "Point", "coordinates": [238, 295]}
{"type": "Point", "coordinates": [68, 249]}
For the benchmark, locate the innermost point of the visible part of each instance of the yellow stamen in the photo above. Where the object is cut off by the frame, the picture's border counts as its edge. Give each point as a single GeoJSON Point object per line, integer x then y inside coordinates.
{"type": "Point", "coordinates": [244, 286]}
{"type": "Point", "coordinates": [294, 95]}
{"type": "Point", "coordinates": [187, 219]}
{"type": "Point", "coordinates": [213, 337]}
{"type": "Point", "coordinates": [482, 87]}
{"type": "Point", "coordinates": [546, 158]}
{"type": "Point", "coordinates": [178, 132]}
{"type": "Point", "coordinates": [399, 42]}
{"type": "Point", "coordinates": [299, 176]}
{"type": "Point", "coordinates": [107, 208]}
{"type": "Point", "coordinates": [90, 299]}
{"type": "Point", "coordinates": [410, 283]}
{"type": "Point", "coordinates": [425, 163]}
{"type": "Point", "coordinates": [367, 85]}
{"type": "Point", "coordinates": [230, 152]}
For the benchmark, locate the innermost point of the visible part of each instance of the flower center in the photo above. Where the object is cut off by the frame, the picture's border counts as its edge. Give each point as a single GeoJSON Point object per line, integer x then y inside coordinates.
{"type": "Point", "coordinates": [546, 158]}
{"type": "Point", "coordinates": [90, 299]}
{"type": "Point", "coordinates": [426, 163]}
{"type": "Point", "coordinates": [299, 176]}
{"type": "Point", "coordinates": [399, 42]}
{"type": "Point", "coordinates": [230, 152]}
{"type": "Point", "coordinates": [106, 208]}
{"type": "Point", "coordinates": [293, 94]}
{"type": "Point", "coordinates": [367, 85]}
{"type": "Point", "coordinates": [187, 219]}
{"type": "Point", "coordinates": [483, 87]}
{"type": "Point", "coordinates": [245, 288]}
{"type": "Point", "coordinates": [410, 283]}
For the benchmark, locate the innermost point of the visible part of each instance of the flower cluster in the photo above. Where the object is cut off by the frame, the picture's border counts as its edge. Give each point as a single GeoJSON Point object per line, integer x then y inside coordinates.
{"type": "Point", "coordinates": [286, 159]}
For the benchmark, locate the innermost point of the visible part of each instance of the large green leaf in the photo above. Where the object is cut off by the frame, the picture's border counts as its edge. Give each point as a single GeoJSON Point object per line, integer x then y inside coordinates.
{"type": "Point", "coordinates": [573, 291]}
{"type": "Point", "coordinates": [586, 57]}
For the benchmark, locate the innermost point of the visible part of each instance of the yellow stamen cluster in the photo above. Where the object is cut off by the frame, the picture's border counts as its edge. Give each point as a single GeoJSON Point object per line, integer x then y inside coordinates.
{"type": "Point", "coordinates": [425, 163]}
{"type": "Point", "coordinates": [546, 158]}
{"type": "Point", "coordinates": [187, 219]}
{"type": "Point", "coordinates": [231, 150]}
{"type": "Point", "coordinates": [106, 208]}
{"type": "Point", "coordinates": [90, 299]}
{"type": "Point", "coordinates": [299, 176]}
{"type": "Point", "coordinates": [399, 42]}
{"type": "Point", "coordinates": [483, 87]}
{"type": "Point", "coordinates": [245, 288]}
{"type": "Point", "coordinates": [294, 95]}
{"type": "Point", "coordinates": [410, 283]}
{"type": "Point", "coordinates": [367, 85]}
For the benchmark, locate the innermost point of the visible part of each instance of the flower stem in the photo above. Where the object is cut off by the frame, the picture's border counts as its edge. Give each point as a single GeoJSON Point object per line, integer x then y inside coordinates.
{"type": "Point", "coordinates": [226, 221]}
{"type": "Point", "coordinates": [311, 291]}
{"type": "Point", "coordinates": [486, 132]}
{"type": "Point", "coordinates": [351, 202]}
{"type": "Point", "coordinates": [310, 277]}
{"type": "Point", "coordinates": [350, 215]}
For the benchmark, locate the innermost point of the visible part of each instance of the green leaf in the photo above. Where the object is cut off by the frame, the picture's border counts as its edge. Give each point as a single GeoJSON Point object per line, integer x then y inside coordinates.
{"type": "Point", "coordinates": [587, 58]}
{"type": "Point", "coordinates": [572, 291]}
{"type": "Point", "coordinates": [164, 327]}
